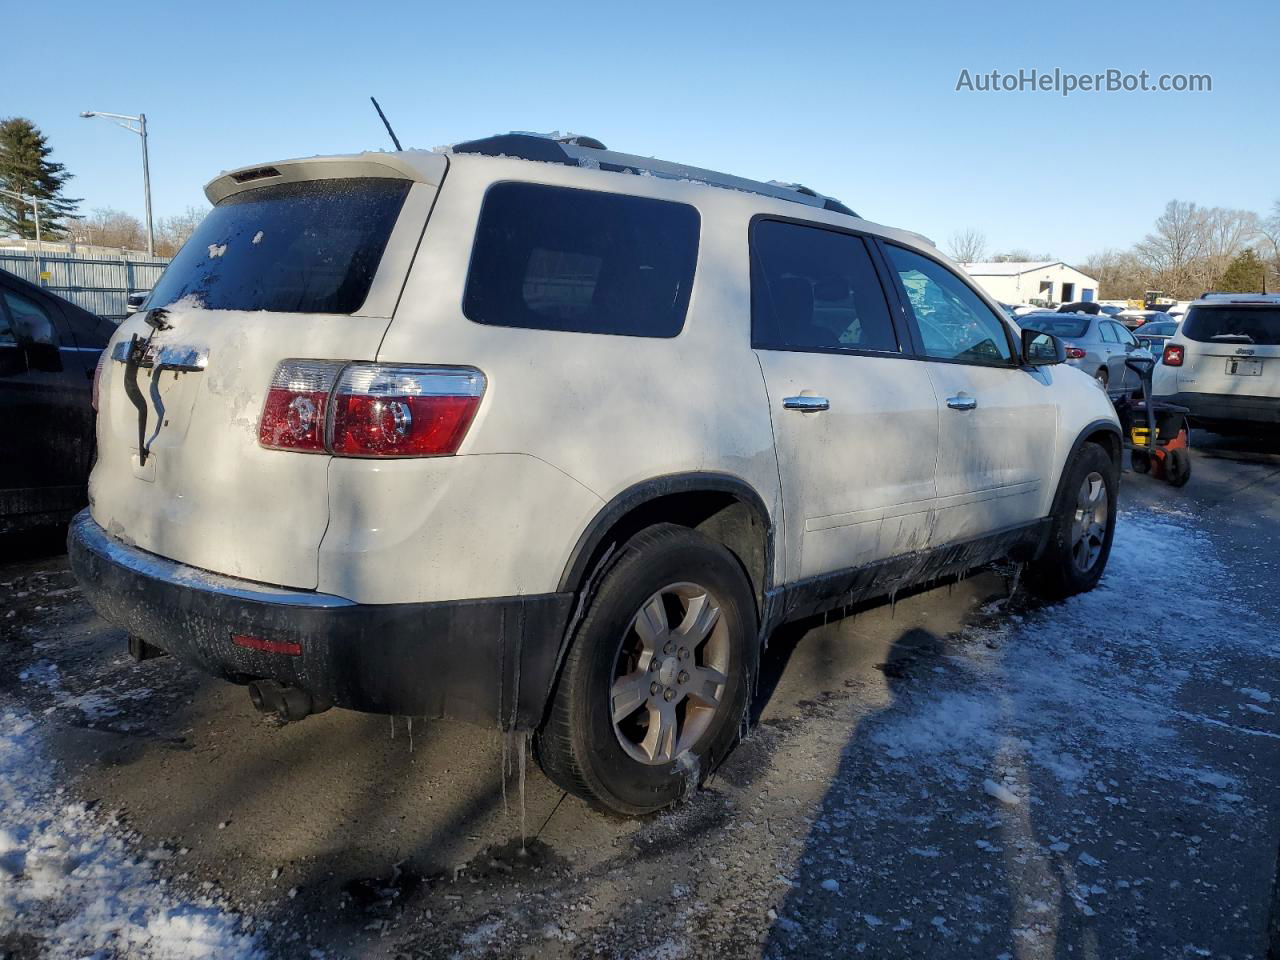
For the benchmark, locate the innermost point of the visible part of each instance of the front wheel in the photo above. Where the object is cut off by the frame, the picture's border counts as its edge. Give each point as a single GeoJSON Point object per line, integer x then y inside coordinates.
{"type": "Point", "coordinates": [1081, 528]}
{"type": "Point", "coordinates": [655, 683]}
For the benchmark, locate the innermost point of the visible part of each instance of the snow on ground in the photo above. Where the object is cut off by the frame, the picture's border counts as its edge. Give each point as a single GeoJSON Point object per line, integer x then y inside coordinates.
{"type": "Point", "coordinates": [72, 884]}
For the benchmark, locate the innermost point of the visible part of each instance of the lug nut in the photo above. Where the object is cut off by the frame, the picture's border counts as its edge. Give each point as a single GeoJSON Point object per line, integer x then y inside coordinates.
{"type": "Point", "coordinates": [684, 653]}
{"type": "Point", "coordinates": [653, 689]}
{"type": "Point", "coordinates": [669, 695]}
{"type": "Point", "coordinates": [668, 648]}
{"type": "Point", "coordinates": [684, 677]}
{"type": "Point", "coordinates": [653, 665]}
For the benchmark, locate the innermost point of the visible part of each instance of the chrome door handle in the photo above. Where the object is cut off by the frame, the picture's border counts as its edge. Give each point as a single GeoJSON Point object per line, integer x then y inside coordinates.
{"type": "Point", "coordinates": [961, 403]}
{"type": "Point", "coordinates": [806, 404]}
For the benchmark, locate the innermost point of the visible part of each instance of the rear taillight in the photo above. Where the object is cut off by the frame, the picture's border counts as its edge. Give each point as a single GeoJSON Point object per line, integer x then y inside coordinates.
{"type": "Point", "coordinates": [1075, 353]}
{"type": "Point", "coordinates": [1173, 355]}
{"type": "Point", "coordinates": [369, 409]}
{"type": "Point", "coordinates": [293, 418]}
{"type": "Point", "coordinates": [97, 380]}
{"type": "Point", "coordinates": [401, 411]}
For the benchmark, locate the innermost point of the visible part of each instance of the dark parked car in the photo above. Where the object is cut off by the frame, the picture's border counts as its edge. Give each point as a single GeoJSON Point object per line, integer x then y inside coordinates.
{"type": "Point", "coordinates": [1154, 333]}
{"type": "Point", "coordinates": [49, 348]}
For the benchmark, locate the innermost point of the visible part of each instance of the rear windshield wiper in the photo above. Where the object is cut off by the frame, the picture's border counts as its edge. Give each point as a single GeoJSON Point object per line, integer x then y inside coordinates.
{"type": "Point", "coordinates": [1232, 338]}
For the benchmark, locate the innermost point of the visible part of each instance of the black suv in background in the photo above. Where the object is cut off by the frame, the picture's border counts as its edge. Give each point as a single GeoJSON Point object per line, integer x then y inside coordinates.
{"type": "Point", "coordinates": [48, 350]}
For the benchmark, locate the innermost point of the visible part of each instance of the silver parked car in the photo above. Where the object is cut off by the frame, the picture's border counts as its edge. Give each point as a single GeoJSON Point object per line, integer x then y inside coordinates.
{"type": "Point", "coordinates": [1095, 343]}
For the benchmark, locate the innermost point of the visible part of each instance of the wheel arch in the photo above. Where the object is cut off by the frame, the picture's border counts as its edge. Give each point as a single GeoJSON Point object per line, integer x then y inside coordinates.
{"type": "Point", "coordinates": [1103, 433]}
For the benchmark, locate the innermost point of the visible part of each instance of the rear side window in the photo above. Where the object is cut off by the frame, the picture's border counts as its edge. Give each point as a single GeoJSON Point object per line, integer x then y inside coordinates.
{"type": "Point", "coordinates": [310, 247]}
{"type": "Point", "coordinates": [952, 320]}
{"type": "Point", "coordinates": [555, 258]}
{"type": "Point", "coordinates": [31, 322]}
{"type": "Point", "coordinates": [1232, 324]}
{"type": "Point", "coordinates": [815, 289]}
{"type": "Point", "coordinates": [1055, 324]}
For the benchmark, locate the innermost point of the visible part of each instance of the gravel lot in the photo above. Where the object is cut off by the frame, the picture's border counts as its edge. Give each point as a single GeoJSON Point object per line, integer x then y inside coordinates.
{"type": "Point", "coordinates": [963, 774]}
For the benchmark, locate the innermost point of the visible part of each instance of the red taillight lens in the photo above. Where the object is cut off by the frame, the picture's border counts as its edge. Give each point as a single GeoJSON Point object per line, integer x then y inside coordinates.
{"type": "Point", "coordinates": [383, 410]}
{"type": "Point", "coordinates": [293, 418]}
{"type": "Point", "coordinates": [1173, 355]}
{"type": "Point", "coordinates": [1075, 353]}
{"type": "Point", "coordinates": [97, 380]}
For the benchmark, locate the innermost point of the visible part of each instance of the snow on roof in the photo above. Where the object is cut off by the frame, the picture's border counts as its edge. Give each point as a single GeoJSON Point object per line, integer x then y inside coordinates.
{"type": "Point", "coordinates": [1010, 269]}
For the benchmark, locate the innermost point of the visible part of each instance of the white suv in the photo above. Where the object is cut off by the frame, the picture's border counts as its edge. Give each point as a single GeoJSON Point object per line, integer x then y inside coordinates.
{"type": "Point", "coordinates": [550, 438]}
{"type": "Point", "coordinates": [1223, 363]}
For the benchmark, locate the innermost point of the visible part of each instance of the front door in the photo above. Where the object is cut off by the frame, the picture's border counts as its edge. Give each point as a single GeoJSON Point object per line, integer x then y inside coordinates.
{"type": "Point", "coordinates": [998, 421]}
{"type": "Point", "coordinates": [855, 420]}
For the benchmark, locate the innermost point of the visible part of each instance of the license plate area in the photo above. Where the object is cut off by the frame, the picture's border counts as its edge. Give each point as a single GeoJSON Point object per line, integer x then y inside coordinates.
{"type": "Point", "coordinates": [1244, 368]}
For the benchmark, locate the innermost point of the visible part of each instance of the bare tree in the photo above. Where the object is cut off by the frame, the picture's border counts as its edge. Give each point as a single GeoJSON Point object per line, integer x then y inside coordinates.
{"type": "Point", "coordinates": [172, 232]}
{"type": "Point", "coordinates": [1172, 249]}
{"type": "Point", "coordinates": [106, 227]}
{"type": "Point", "coordinates": [1269, 246]}
{"type": "Point", "coordinates": [967, 246]}
{"type": "Point", "coordinates": [1120, 274]}
{"type": "Point", "coordinates": [1020, 255]}
{"type": "Point", "coordinates": [1227, 234]}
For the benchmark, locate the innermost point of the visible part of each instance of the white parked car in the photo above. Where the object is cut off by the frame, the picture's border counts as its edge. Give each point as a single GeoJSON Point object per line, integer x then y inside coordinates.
{"type": "Point", "coordinates": [1224, 361]}
{"type": "Point", "coordinates": [547, 437]}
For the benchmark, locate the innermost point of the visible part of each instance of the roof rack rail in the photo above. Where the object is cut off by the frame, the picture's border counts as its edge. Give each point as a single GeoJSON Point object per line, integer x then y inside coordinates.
{"type": "Point", "coordinates": [579, 151]}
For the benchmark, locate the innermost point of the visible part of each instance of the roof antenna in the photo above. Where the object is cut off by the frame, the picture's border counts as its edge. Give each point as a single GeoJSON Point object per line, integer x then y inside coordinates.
{"type": "Point", "coordinates": [386, 124]}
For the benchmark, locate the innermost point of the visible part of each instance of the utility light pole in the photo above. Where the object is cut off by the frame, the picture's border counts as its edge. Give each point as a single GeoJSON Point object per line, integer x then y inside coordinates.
{"type": "Point", "coordinates": [128, 122]}
{"type": "Point", "coordinates": [35, 207]}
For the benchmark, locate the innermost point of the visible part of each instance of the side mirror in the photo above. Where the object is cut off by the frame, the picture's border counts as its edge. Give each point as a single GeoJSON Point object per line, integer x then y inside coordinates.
{"type": "Point", "coordinates": [1042, 349]}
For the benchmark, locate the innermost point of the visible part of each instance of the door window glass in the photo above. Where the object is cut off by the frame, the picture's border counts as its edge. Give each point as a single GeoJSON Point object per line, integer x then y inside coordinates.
{"type": "Point", "coordinates": [1108, 332]}
{"type": "Point", "coordinates": [952, 320]}
{"type": "Point", "coordinates": [1124, 335]}
{"type": "Point", "coordinates": [30, 321]}
{"type": "Point", "coordinates": [815, 289]}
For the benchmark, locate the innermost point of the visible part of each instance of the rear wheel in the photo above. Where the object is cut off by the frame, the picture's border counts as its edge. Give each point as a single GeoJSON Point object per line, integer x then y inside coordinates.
{"type": "Point", "coordinates": [1081, 529]}
{"type": "Point", "coordinates": [656, 682]}
{"type": "Point", "coordinates": [1140, 460]}
{"type": "Point", "coordinates": [1177, 467]}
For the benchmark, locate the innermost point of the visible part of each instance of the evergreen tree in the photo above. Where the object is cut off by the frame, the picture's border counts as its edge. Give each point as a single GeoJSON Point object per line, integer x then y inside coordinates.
{"type": "Point", "coordinates": [1243, 274]}
{"type": "Point", "coordinates": [25, 168]}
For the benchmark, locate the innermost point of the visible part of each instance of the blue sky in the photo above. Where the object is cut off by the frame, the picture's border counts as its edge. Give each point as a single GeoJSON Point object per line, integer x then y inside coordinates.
{"type": "Point", "coordinates": [857, 100]}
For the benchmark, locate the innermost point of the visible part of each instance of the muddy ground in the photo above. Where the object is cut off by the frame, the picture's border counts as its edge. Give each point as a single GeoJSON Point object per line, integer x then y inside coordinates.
{"type": "Point", "coordinates": [964, 773]}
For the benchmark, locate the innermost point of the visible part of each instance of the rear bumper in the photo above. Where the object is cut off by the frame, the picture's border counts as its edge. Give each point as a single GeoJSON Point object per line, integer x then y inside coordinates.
{"type": "Point", "coordinates": [490, 662]}
{"type": "Point", "coordinates": [1220, 406]}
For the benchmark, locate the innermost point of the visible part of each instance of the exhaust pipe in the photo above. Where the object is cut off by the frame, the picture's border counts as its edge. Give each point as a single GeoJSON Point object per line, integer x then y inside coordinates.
{"type": "Point", "coordinates": [287, 703]}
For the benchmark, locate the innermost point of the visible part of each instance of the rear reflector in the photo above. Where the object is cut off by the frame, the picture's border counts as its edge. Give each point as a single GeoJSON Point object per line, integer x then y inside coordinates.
{"type": "Point", "coordinates": [289, 648]}
{"type": "Point", "coordinates": [1173, 355]}
{"type": "Point", "coordinates": [381, 410]}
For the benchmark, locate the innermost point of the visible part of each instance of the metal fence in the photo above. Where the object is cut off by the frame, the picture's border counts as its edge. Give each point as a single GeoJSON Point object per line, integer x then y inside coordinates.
{"type": "Point", "coordinates": [100, 284]}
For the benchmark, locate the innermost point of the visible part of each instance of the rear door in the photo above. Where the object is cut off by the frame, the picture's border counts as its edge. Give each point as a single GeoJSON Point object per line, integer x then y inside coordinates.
{"type": "Point", "coordinates": [1128, 345]}
{"type": "Point", "coordinates": [855, 419]}
{"type": "Point", "coordinates": [998, 421]}
{"type": "Point", "coordinates": [301, 267]}
{"type": "Point", "coordinates": [1233, 349]}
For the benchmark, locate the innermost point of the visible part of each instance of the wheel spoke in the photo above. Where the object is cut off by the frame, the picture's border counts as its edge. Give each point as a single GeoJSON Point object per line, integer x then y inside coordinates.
{"type": "Point", "coordinates": [651, 624]}
{"type": "Point", "coordinates": [699, 619]}
{"type": "Point", "coordinates": [629, 694]}
{"type": "Point", "coordinates": [705, 684]}
{"type": "Point", "coordinates": [1096, 534]}
{"type": "Point", "coordinates": [660, 742]}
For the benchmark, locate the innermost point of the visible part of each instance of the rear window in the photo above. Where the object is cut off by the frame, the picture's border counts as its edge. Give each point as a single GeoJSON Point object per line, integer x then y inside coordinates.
{"type": "Point", "coordinates": [555, 258]}
{"type": "Point", "coordinates": [310, 247]}
{"type": "Point", "coordinates": [1059, 326]}
{"type": "Point", "coordinates": [1229, 324]}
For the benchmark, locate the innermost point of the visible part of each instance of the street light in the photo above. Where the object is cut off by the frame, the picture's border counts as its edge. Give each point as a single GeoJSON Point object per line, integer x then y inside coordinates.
{"type": "Point", "coordinates": [35, 207]}
{"type": "Point", "coordinates": [141, 129]}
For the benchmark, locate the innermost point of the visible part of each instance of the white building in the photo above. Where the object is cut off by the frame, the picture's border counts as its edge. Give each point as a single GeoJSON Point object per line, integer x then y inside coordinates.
{"type": "Point", "coordinates": [1048, 283]}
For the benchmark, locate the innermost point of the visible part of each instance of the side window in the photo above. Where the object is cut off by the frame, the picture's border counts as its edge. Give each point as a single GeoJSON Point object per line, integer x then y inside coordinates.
{"type": "Point", "coordinates": [1108, 332]}
{"type": "Point", "coordinates": [1124, 335]}
{"type": "Point", "coordinates": [30, 321]}
{"type": "Point", "coordinates": [953, 322]}
{"type": "Point", "coordinates": [555, 258]}
{"type": "Point", "coordinates": [815, 289]}
{"type": "Point", "coordinates": [7, 339]}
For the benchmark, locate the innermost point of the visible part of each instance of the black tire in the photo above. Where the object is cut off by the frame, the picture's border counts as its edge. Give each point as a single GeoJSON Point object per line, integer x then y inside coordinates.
{"type": "Point", "coordinates": [1177, 467]}
{"type": "Point", "coordinates": [1057, 572]}
{"type": "Point", "coordinates": [579, 747]}
{"type": "Point", "coordinates": [1140, 461]}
